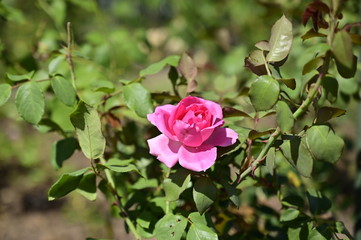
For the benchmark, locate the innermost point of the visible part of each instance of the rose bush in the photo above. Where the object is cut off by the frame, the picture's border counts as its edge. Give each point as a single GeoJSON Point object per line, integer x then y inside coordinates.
{"type": "Point", "coordinates": [191, 130]}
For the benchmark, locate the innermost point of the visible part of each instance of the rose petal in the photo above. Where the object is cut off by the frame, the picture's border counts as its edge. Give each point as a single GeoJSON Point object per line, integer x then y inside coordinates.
{"type": "Point", "coordinates": [160, 119]}
{"type": "Point", "coordinates": [197, 158]}
{"type": "Point", "coordinates": [207, 132]}
{"type": "Point", "coordinates": [165, 149]}
{"type": "Point", "coordinates": [222, 137]}
{"type": "Point", "coordinates": [188, 134]}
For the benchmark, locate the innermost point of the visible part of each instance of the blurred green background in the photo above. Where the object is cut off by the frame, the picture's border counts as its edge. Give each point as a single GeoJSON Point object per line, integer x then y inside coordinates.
{"type": "Point", "coordinates": [113, 40]}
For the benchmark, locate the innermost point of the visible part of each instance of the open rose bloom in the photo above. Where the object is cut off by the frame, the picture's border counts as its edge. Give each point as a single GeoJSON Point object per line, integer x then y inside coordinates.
{"type": "Point", "coordinates": [190, 131]}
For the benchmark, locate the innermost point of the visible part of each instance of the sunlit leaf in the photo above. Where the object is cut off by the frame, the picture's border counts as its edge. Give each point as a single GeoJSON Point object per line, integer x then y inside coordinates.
{"type": "Point", "coordinates": [87, 124]}
{"type": "Point", "coordinates": [63, 90]}
{"type": "Point", "coordinates": [280, 41]}
{"type": "Point", "coordinates": [170, 227]}
{"type": "Point", "coordinates": [342, 48]}
{"type": "Point", "coordinates": [158, 66]}
{"type": "Point", "coordinates": [263, 45]}
{"type": "Point", "coordinates": [16, 78]}
{"type": "Point", "coordinates": [199, 231]}
{"type": "Point", "coordinates": [176, 184]}
{"type": "Point", "coordinates": [5, 93]}
{"type": "Point", "coordinates": [284, 117]}
{"type": "Point", "coordinates": [264, 93]}
{"type": "Point", "coordinates": [87, 186]}
{"type": "Point", "coordinates": [30, 102]}
{"type": "Point", "coordinates": [138, 99]}
{"type": "Point", "coordinates": [270, 160]}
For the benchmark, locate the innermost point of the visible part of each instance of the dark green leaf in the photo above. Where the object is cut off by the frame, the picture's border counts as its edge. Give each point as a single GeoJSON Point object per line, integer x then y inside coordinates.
{"type": "Point", "coordinates": [313, 64]}
{"type": "Point", "coordinates": [16, 78]}
{"type": "Point", "coordinates": [347, 72]}
{"type": "Point", "coordinates": [311, 34]}
{"type": "Point", "coordinates": [280, 41]}
{"type": "Point", "coordinates": [340, 228]}
{"type": "Point", "coordinates": [87, 124]}
{"type": "Point", "coordinates": [120, 166]}
{"type": "Point", "coordinates": [264, 93]}
{"type": "Point", "coordinates": [232, 112]}
{"type": "Point", "coordinates": [253, 134]}
{"type": "Point", "coordinates": [289, 215]}
{"type": "Point", "coordinates": [342, 48]}
{"type": "Point", "coordinates": [320, 233]}
{"type": "Point", "coordinates": [144, 219]}
{"type": "Point", "coordinates": [199, 231]}
{"type": "Point", "coordinates": [255, 62]}
{"type": "Point", "coordinates": [284, 117]}
{"type": "Point", "coordinates": [62, 150]}
{"type": "Point", "coordinates": [170, 227]}
{"type": "Point", "coordinates": [318, 202]}
{"type": "Point", "coordinates": [326, 113]}
{"type": "Point", "coordinates": [204, 193]}
{"type": "Point", "coordinates": [232, 192]}
{"type": "Point", "coordinates": [63, 90]}
{"type": "Point", "coordinates": [324, 144]}
{"type": "Point", "coordinates": [158, 66]}
{"type": "Point", "coordinates": [331, 88]}
{"type": "Point", "coordinates": [30, 102]}
{"type": "Point", "coordinates": [66, 184]}
{"type": "Point", "coordinates": [298, 233]}
{"type": "Point", "coordinates": [5, 93]}
{"type": "Point", "coordinates": [138, 99]}
{"type": "Point", "coordinates": [176, 184]}
{"type": "Point", "coordinates": [289, 82]}
{"type": "Point", "coordinates": [270, 160]}
{"type": "Point", "coordinates": [87, 186]}
{"type": "Point", "coordinates": [296, 152]}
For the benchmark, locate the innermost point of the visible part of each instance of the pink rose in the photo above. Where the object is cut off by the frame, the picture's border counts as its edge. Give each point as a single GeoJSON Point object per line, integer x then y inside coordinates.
{"type": "Point", "coordinates": [190, 132]}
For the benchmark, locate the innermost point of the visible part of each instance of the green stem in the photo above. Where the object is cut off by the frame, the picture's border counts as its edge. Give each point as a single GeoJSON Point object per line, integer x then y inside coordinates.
{"type": "Point", "coordinates": [69, 57]}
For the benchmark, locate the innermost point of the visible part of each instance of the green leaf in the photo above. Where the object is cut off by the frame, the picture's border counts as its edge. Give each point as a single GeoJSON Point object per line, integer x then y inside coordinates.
{"type": "Point", "coordinates": [199, 231]}
{"type": "Point", "coordinates": [347, 72]}
{"type": "Point", "coordinates": [196, 217]}
{"type": "Point", "coordinates": [189, 71]}
{"type": "Point", "coordinates": [340, 228]}
{"type": "Point", "coordinates": [176, 184]}
{"type": "Point", "coordinates": [280, 41]}
{"type": "Point", "coordinates": [63, 90]}
{"type": "Point", "coordinates": [54, 63]}
{"type": "Point", "coordinates": [330, 85]}
{"type": "Point", "coordinates": [342, 48]}
{"type": "Point", "coordinates": [104, 86]}
{"type": "Point", "coordinates": [145, 183]}
{"type": "Point", "coordinates": [289, 215]}
{"type": "Point", "coordinates": [170, 227]}
{"type": "Point", "coordinates": [204, 193]}
{"type": "Point", "coordinates": [284, 117]}
{"type": "Point", "coordinates": [255, 62]}
{"type": "Point", "coordinates": [289, 82]}
{"type": "Point", "coordinates": [232, 192]}
{"type": "Point", "coordinates": [312, 33]}
{"type": "Point", "coordinates": [5, 93]}
{"type": "Point", "coordinates": [158, 66]}
{"type": "Point", "coordinates": [63, 150]}
{"type": "Point", "coordinates": [138, 99]}
{"type": "Point", "coordinates": [87, 125]}
{"type": "Point", "coordinates": [298, 155]}
{"type": "Point", "coordinates": [318, 202]}
{"type": "Point", "coordinates": [118, 166]}
{"type": "Point", "coordinates": [253, 134]}
{"type": "Point", "coordinates": [298, 233]}
{"type": "Point", "coordinates": [263, 45]}
{"type": "Point", "coordinates": [313, 64]}
{"type": "Point", "coordinates": [16, 78]}
{"type": "Point", "coordinates": [324, 144]}
{"type": "Point", "coordinates": [320, 233]}
{"type": "Point", "coordinates": [232, 112]}
{"type": "Point", "coordinates": [66, 184]}
{"type": "Point", "coordinates": [264, 93]}
{"type": "Point", "coordinates": [30, 102]}
{"type": "Point", "coordinates": [225, 83]}
{"type": "Point", "coordinates": [270, 160]}
{"type": "Point", "coordinates": [87, 186]}
{"type": "Point", "coordinates": [326, 113]}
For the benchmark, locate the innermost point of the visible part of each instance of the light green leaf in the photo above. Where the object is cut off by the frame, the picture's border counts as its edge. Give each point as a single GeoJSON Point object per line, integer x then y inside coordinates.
{"type": "Point", "coordinates": [225, 83]}
{"type": "Point", "coordinates": [54, 63]}
{"type": "Point", "coordinates": [138, 99]}
{"type": "Point", "coordinates": [324, 144]}
{"type": "Point", "coordinates": [199, 231]}
{"type": "Point", "coordinates": [176, 184]}
{"type": "Point", "coordinates": [87, 124]}
{"type": "Point", "coordinates": [62, 150]}
{"type": "Point", "coordinates": [256, 58]}
{"type": "Point", "coordinates": [262, 45]}
{"type": "Point", "coordinates": [16, 78]}
{"type": "Point", "coordinates": [195, 217]}
{"type": "Point", "coordinates": [342, 48]}
{"type": "Point", "coordinates": [30, 102]}
{"type": "Point", "coordinates": [204, 193]}
{"type": "Point", "coordinates": [280, 41]}
{"type": "Point", "coordinates": [158, 66]}
{"type": "Point", "coordinates": [5, 93]}
{"type": "Point", "coordinates": [88, 187]}
{"type": "Point", "coordinates": [313, 64]}
{"type": "Point", "coordinates": [298, 155]}
{"type": "Point", "coordinates": [270, 160]}
{"type": "Point", "coordinates": [284, 117]}
{"type": "Point", "coordinates": [289, 215]}
{"type": "Point", "coordinates": [66, 184]}
{"type": "Point", "coordinates": [63, 90]}
{"type": "Point", "coordinates": [264, 93]}
{"type": "Point", "coordinates": [170, 227]}
{"type": "Point", "coordinates": [145, 183]}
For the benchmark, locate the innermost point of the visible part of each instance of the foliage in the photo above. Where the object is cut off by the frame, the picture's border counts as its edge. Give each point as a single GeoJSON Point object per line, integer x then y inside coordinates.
{"type": "Point", "coordinates": [282, 109]}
